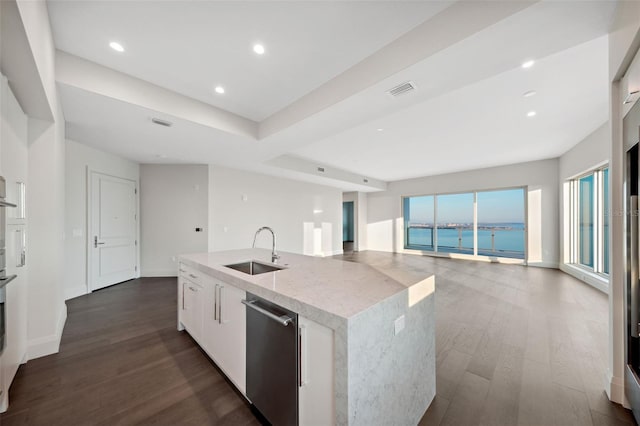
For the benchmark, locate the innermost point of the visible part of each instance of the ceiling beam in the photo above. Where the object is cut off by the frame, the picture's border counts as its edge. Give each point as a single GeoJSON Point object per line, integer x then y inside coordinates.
{"type": "Point", "coordinates": [313, 168]}
{"type": "Point", "coordinates": [86, 75]}
{"type": "Point", "coordinates": [18, 64]}
{"type": "Point", "coordinates": [454, 24]}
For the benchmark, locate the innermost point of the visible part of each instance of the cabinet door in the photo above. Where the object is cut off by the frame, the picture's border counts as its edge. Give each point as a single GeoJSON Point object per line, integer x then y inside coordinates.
{"type": "Point", "coordinates": [232, 351]}
{"type": "Point", "coordinates": [315, 394]}
{"type": "Point", "coordinates": [211, 339]}
{"type": "Point", "coordinates": [192, 302]}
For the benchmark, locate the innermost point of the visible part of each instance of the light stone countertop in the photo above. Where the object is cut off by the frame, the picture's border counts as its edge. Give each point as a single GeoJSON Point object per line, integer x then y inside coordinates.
{"type": "Point", "coordinates": [361, 303]}
{"type": "Point", "coordinates": [339, 288]}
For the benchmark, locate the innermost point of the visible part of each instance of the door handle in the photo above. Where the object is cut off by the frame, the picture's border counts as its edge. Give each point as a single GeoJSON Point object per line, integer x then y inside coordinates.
{"type": "Point", "coordinates": [183, 286]}
{"type": "Point", "coordinates": [215, 303]}
{"type": "Point", "coordinates": [302, 355]}
{"type": "Point", "coordinates": [95, 241]}
{"type": "Point", "coordinates": [283, 319]}
{"type": "Point", "coordinates": [220, 304]}
{"type": "Point", "coordinates": [634, 284]}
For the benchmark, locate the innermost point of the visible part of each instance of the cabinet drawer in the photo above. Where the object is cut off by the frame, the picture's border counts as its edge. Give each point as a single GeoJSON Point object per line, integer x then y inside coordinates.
{"type": "Point", "coordinates": [192, 274]}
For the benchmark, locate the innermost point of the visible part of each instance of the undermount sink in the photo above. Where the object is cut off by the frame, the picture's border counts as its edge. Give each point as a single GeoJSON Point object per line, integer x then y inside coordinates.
{"type": "Point", "coordinates": [254, 267]}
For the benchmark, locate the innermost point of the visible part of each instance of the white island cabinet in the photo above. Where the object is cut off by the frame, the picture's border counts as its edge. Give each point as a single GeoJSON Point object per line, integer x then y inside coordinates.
{"type": "Point", "coordinates": [212, 313]}
{"type": "Point", "coordinates": [315, 395]}
{"type": "Point", "coordinates": [225, 324]}
{"type": "Point", "coordinates": [366, 335]}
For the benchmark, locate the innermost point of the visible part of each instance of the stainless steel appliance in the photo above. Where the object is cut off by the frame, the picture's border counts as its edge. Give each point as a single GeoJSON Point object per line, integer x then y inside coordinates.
{"type": "Point", "coordinates": [4, 279]}
{"type": "Point", "coordinates": [272, 360]}
{"type": "Point", "coordinates": [631, 136]}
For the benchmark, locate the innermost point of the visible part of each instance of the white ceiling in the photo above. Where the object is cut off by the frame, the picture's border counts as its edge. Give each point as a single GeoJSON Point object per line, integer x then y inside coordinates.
{"type": "Point", "coordinates": [468, 111]}
{"type": "Point", "coordinates": [192, 46]}
{"type": "Point", "coordinates": [484, 124]}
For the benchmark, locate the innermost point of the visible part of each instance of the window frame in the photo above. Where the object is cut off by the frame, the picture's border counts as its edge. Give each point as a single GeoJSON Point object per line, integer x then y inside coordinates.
{"type": "Point", "coordinates": [598, 214]}
{"type": "Point", "coordinates": [475, 255]}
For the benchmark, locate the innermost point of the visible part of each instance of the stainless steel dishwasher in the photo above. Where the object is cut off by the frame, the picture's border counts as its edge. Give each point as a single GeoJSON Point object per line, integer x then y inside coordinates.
{"type": "Point", "coordinates": [272, 360]}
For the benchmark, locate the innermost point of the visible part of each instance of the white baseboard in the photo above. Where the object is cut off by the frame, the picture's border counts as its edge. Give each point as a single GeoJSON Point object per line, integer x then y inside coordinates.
{"type": "Point", "coordinates": [550, 265]}
{"type": "Point", "coordinates": [48, 345]}
{"type": "Point", "coordinates": [614, 387]}
{"type": "Point", "coordinates": [70, 293]}
{"type": "Point", "coordinates": [159, 273]}
{"type": "Point", "coordinates": [585, 276]}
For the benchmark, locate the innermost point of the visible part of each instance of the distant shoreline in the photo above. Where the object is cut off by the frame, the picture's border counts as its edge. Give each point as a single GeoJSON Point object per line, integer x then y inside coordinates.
{"type": "Point", "coordinates": [497, 226]}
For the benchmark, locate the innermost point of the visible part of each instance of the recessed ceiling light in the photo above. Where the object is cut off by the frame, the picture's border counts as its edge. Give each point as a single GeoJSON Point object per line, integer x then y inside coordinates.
{"type": "Point", "coordinates": [530, 93]}
{"type": "Point", "coordinates": [380, 130]}
{"type": "Point", "coordinates": [219, 89]}
{"type": "Point", "coordinates": [116, 46]}
{"type": "Point", "coordinates": [531, 114]}
{"type": "Point", "coordinates": [259, 49]}
{"type": "Point", "coordinates": [528, 64]}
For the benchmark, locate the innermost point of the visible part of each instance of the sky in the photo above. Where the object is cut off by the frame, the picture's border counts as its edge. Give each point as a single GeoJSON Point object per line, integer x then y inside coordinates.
{"type": "Point", "coordinates": [493, 207]}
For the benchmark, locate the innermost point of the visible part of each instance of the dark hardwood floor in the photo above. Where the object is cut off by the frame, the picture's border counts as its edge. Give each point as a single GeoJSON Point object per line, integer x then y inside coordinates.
{"type": "Point", "coordinates": [515, 346]}
{"type": "Point", "coordinates": [122, 361]}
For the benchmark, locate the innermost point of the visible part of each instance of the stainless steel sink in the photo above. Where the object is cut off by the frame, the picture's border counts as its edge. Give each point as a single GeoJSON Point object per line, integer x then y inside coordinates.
{"type": "Point", "coordinates": [253, 267]}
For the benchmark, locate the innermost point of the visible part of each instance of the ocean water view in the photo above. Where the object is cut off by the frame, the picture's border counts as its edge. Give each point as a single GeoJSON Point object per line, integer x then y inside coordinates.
{"type": "Point", "coordinates": [497, 239]}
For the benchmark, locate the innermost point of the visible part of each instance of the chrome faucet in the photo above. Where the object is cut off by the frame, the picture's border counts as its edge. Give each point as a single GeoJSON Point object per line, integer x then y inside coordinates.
{"type": "Point", "coordinates": [274, 255]}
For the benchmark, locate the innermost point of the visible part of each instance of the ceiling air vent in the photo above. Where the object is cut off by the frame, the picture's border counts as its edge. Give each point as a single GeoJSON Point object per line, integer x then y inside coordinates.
{"type": "Point", "coordinates": [321, 169]}
{"type": "Point", "coordinates": [401, 89]}
{"type": "Point", "coordinates": [161, 122]}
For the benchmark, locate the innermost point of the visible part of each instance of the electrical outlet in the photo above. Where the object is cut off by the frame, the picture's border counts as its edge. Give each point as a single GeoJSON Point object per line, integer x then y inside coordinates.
{"type": "Point", "coordinates": [398, 325]}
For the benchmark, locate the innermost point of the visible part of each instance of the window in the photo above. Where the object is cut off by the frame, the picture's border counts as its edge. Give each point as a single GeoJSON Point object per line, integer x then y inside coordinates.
{"type": "Point", "coordinates": [585, 219]}
{"type": "Point", "coordinates": [418, 222]}
{"type": "Point", "coordinates": [485, 223]}
{"type": "Point", "coordinates": [501, 223]}
{"type": "Point", "coordinates": [455, 223]}
{"type": "Point", "coordinates": [589, 199]}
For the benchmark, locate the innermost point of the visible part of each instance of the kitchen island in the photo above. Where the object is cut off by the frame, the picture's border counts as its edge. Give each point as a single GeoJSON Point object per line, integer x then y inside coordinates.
{"type": "Point", "coordinates": [371, 349]}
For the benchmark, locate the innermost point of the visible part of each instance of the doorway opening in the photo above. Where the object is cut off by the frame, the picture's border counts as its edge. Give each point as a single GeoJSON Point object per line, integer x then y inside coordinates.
{"type": "Point", "coordinates": [348, 226]}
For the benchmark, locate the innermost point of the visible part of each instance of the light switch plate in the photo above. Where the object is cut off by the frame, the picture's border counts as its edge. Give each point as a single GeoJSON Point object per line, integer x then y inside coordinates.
{"type": "Point", "coordinates": [398, 325]}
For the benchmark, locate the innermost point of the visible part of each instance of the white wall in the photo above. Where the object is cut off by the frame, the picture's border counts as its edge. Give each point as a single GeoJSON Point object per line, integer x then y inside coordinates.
{"type": "Point", "coordinates": [362, 220]}
{"type": "Point", "coordinates": [385, 222]}
{"type": "Point", "coordinates": [241, 202]}
{"type": "Point", "coordinates": [45, 240]}
{"type": "Point", "coordinates": [589, 154]}
{"type": "Point", "coordinates": [79, 158]}
{"type": "Point", "coordinates": [45, 194]}
{"type": "Point", "coordinates": [173, 202]}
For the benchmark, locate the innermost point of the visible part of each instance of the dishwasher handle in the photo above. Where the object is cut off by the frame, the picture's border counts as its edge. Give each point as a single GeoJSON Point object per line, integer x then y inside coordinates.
{"type": "Point", "coordinates": [282, 319]}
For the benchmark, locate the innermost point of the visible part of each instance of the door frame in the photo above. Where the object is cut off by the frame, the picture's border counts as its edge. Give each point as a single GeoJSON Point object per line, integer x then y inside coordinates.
{"type": "Point", "coordinates": [89, 221]}
{"type": "Point", "coordinates": [353, 197]}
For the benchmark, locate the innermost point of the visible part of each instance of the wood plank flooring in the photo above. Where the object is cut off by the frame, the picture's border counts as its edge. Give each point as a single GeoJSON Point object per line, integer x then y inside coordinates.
{"type": "Point", "coordinates": [123, 362]}
{"type": "Point", "coordinates": [515, 346]}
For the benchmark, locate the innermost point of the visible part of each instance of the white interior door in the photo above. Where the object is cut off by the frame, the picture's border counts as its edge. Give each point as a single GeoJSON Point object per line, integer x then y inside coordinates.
{"type": "Point", "coordinates": [113, 230]}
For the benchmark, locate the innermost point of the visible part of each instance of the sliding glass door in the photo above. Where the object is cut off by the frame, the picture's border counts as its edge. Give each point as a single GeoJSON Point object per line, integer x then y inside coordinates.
{"type": "Point", "coordinates": [455, 223]}
{"type": "Point", "coordinates": [484, 223]}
